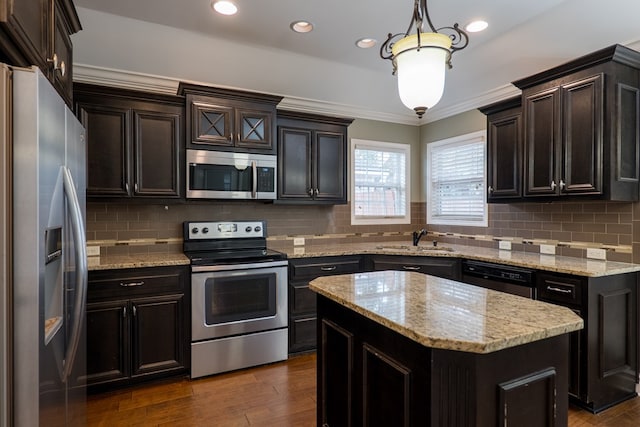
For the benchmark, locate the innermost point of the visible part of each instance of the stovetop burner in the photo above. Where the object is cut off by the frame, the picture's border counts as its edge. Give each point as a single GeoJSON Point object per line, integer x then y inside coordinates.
{"type": "Point", "coordinates": [215, 242]}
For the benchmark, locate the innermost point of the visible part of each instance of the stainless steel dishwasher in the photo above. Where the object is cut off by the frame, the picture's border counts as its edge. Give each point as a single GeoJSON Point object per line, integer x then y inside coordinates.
{"type": "Point", "coordinates": [503, 278]}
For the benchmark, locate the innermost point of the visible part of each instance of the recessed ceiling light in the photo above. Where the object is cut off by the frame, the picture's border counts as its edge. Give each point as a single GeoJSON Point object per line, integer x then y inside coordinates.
{"type": "Point", "coordinates": [476, 26]}
{"type": "Point", "coordinates": [301, 26]}
{"type": "Point", "coordinates": [366, 43]}
{"type": "Point", "coordinates": [224, 7]}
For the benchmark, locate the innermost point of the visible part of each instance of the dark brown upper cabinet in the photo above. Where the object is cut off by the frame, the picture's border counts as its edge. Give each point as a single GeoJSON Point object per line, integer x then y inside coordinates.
{"type": "Point", "coordinates": [135, 142]}
{"type": "Point", "coordinates": [312, 158]}
{"type": "Point", "coordinates": [229, 120]}
{"type": "Point", "coordinates": [582, 127]}
{"type": "Point", "coordinates": [504, 150]}
{"type": "Point", "coordinates": [37, 32]}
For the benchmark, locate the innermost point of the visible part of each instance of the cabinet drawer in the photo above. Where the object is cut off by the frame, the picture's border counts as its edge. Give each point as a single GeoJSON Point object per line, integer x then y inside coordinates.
{"type": "Point", "coordinates": [559, 289]}
{"type": "Point", "coordinates": [302, 299]}
{"type": "Point", "coordinates": [135, 282]}
{"type": "Point", "coordinates": [441, 267]}
{"type": "Point", "coordinates": [311, 268]}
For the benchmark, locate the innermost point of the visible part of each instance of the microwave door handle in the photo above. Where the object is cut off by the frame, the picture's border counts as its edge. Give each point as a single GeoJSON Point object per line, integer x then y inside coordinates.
{"type": "Point", "coordinates": [254, 177]}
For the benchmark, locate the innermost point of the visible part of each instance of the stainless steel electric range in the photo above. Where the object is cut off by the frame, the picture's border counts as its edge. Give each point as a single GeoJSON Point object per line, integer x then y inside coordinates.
{"type": "Point", "coordinates": [238, 296]}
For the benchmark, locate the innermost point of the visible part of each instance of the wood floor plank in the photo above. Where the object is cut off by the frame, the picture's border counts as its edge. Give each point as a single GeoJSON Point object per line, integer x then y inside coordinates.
{"type": "Point", "coordinates": [281, 394]}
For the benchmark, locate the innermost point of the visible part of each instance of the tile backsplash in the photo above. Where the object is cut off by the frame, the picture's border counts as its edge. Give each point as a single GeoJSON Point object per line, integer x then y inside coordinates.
{"type": "Point", "coordinates": [570, 226]}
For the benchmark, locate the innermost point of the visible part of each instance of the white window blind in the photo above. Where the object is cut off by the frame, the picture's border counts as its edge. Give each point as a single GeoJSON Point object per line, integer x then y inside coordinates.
{"type": "Point", "coordinates": [380, 176]}
{"type": "Point", "coordinates": [456, 181]}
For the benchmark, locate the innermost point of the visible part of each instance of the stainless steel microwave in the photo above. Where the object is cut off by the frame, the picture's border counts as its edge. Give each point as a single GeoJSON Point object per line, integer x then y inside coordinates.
{"type": "Point", "coordinates": [229, 175]}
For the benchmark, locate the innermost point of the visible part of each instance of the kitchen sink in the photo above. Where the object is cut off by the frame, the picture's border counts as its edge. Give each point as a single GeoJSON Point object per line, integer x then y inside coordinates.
{"type": "Point", "coordinates": [409, 248]}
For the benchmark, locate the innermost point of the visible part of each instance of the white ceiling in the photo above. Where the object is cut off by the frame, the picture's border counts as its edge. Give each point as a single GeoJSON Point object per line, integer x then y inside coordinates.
{"type": "Point", "coordinates": [256, 50]}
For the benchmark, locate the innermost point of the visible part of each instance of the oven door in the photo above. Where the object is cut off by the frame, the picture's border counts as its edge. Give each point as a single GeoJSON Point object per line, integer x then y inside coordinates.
{"type": "Point", "coordinates": [238, 299]}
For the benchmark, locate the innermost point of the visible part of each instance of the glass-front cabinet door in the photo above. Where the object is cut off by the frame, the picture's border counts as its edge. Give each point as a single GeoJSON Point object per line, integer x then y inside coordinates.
{"type": "Point", "coordinates": [254, 129]}
{"type": "Point", "coordinates": [212, 124]}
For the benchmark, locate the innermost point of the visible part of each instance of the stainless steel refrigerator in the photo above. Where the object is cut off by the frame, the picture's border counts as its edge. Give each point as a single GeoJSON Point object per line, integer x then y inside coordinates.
{"type": "Point", "coordinates": [44, 266]}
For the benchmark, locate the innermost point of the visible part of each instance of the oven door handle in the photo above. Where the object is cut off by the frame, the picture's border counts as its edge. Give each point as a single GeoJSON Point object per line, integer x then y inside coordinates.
{"type": "Point", "coordinates": [239, 266]}
{"type": "Point", "coordinates": [254, 176]}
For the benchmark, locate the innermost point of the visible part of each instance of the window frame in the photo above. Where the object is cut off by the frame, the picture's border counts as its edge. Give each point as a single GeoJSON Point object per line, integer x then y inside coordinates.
{"type": "Point", "coordinates": [472, 137]}
{"type": "Point", "coordinates": [382, 146]}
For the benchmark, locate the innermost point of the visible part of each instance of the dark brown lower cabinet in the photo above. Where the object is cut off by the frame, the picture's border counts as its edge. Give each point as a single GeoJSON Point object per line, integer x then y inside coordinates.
{"type": "Point", "coordinates": [302, 301]}
{"type": "Point", "coordinates": [449, 268]}
{"type": "Point", "coordinates": [371, 375]}
{"type": "Point", "coordinates": [603, 355]}
{"type": "Point", "coordinates": [137, 325]}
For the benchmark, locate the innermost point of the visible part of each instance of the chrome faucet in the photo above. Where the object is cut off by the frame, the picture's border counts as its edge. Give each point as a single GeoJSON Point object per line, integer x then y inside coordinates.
{"type": "Point", "coordinates": [417, 235]}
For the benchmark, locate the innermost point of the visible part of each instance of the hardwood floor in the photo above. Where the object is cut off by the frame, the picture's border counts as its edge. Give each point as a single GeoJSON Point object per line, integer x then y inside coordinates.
{"type": "Point", "coordinates": [281, 394]}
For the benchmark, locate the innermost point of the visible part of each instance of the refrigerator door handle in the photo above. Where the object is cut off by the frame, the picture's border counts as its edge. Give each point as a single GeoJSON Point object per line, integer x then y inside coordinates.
{"type": "Point", "coordinates": [77, 225]}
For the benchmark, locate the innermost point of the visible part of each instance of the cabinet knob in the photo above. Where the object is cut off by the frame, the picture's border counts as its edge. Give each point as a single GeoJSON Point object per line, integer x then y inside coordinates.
{"type": "Point", "coordinates": [562, 185]}
{"type": "Point", "coordinates": [553, 185]}
{"type": "Point", "coordinates": [490, 190]}
{"type": "Point", "coordinates": [315, 192]}
{"type": "Point", "coordinates": [310, 192]}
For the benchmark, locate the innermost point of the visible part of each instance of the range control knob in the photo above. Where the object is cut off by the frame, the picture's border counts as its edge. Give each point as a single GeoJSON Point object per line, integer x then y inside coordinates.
{"type": "Point", "coordinates": [248, 229]}
{"type": "Point", "coordinates": [194, 230]}
{"type": "Point", "coordinates": [205, 230]}
{"type": "Point", "coordinates": [257, 229]}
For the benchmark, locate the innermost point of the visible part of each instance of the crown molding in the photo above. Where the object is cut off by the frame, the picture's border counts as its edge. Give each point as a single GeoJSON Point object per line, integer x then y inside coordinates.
{"type": "Point", "coordinates": [83, 73]}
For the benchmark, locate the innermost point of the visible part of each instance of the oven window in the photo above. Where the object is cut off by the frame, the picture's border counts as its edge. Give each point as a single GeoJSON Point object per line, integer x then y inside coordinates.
{"type": "Point", "coordinates": [238, 298]}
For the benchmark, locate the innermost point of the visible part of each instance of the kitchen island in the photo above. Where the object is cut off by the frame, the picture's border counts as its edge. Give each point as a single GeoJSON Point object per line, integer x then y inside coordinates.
{"type": "Point", "coordinates": [401, 348]}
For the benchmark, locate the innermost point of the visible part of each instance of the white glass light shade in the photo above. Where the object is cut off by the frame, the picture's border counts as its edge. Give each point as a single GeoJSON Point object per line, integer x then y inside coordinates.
{"type": "Point", "coordinates": [421, 73]}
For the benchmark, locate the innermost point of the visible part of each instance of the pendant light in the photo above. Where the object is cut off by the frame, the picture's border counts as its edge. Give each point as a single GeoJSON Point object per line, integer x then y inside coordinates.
{"type": "Point", "coordinates": [421, 58]}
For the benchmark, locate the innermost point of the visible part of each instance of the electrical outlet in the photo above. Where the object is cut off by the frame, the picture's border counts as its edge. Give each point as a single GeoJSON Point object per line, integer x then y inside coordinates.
{"type": "Point", "coordinates": [93, 250]}
{"type": "Point", "coordinates": [298, 241]}
{"type": "Point", "coordinates": [596, 253]}
{"type": "Point", "coordinates": [505, 245]}
{"type": "Point", "coordinates": [548, 249]}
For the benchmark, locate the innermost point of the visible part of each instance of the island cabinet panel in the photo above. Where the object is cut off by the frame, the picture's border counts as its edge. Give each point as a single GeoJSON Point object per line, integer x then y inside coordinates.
{"type": "Point", "coordinates": [371, 375]}
{"type": "Point", "coordinates": [312, 158]}
{"type": "Point", "coordinates": [135, 143]}
{"type": "Point", "coordinates": [137, 325]}
{"type": "Point", "coordinates": [582, 128]}
{"type": "Point", "coordinates": [337, 368]}
{"type": "Point", "coordinates": [604, 355]}
{"type": "Point", "coordinates": [504, 150]}
{"type": "Point", "coordinates": [449, 268]}
{"type": "Point", "coordinates": [302, 301]}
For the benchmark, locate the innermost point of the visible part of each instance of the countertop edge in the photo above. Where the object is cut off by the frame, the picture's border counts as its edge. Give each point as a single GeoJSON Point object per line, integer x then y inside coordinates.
{"type": "Point", "coordinates": [452, 344]}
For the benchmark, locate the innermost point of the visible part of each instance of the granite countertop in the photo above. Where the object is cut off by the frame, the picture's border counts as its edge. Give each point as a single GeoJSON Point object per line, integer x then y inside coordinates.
{"type": "Point", "coordinates": [446, 314]}
{"type": "Point", "coordinates": [114, 262]}
{"type": "Point", "coordinates": [555, 263]}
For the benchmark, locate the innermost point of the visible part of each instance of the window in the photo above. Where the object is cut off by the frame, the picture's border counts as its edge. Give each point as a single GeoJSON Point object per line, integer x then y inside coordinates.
{"type": "Point", "coordinates": [380, 190]}
{"type": "Point", "coordinates": [456, 181]}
